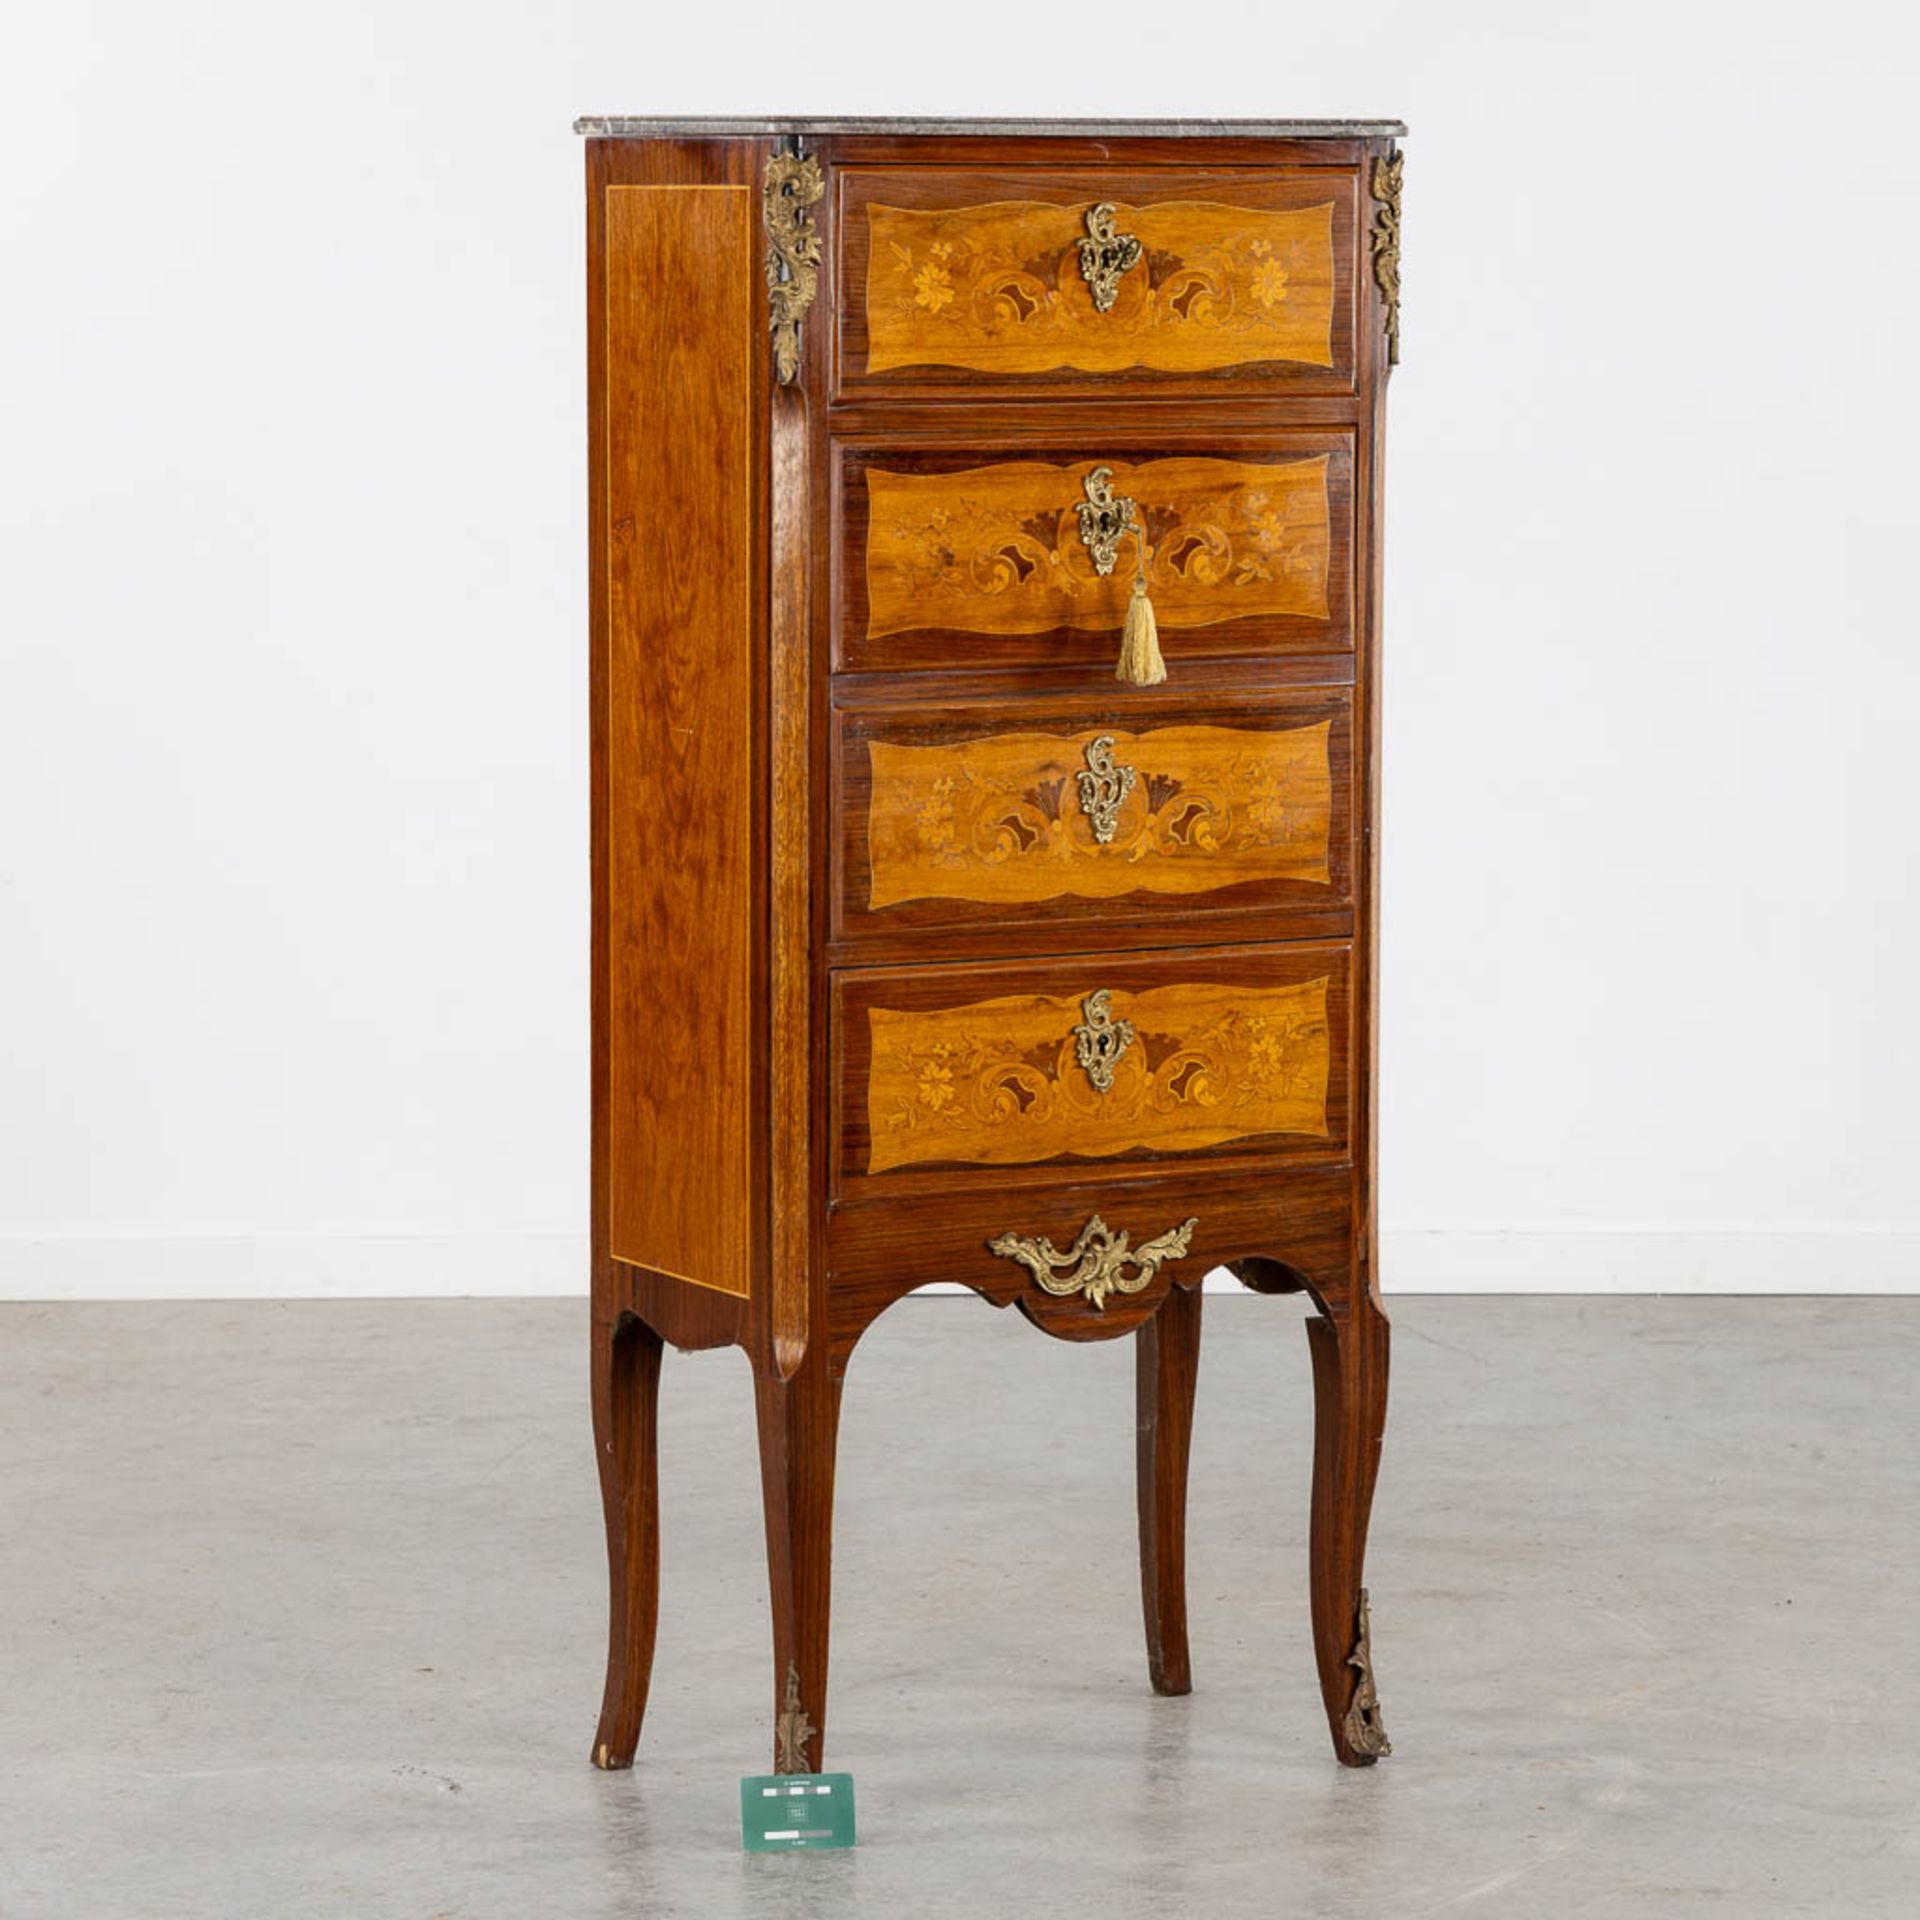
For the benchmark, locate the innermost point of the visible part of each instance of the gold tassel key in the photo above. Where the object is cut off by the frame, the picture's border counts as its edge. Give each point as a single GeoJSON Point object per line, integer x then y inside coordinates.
{"type": "Point", "coordinates": [1140, 661]}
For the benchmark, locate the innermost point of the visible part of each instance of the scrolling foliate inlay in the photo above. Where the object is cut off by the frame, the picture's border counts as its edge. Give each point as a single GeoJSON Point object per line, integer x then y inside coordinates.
{"type": "Point", "coordinates": [792, 186]}
{"type": "Point", "coordinates": [1191, 810]}
{"type": "Point", "coordinates": [1003, 549]}
{"type": "Point", "coordinates": [1000, 1082]}
{"type": "Point", "coordinates": [1387, 172]}
{"type": "Point", "coordinates": [998, 288]}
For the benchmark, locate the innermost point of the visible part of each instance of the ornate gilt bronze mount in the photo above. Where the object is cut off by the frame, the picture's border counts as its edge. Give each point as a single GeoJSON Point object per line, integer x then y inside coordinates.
{"type": "Point", "coordinates": [1386, 244]}
{"type": "Point", "coordinates": [1099, 1040]}
{"type": "Point", "coordinates": [1104, 787]}
{"type": "Point", "coordinates": [793, 183]}
{"type": "Point", "coordinates": [1097, 1262]}
{"type": "Point", "coordinates": [793, 1729]}
{"type": "Point", "coordinates": [1104, 517]}
{"type": "Point", "coordinates": [1105, 254]}
{"type": "Point", "coordinates": [1366, 1732]}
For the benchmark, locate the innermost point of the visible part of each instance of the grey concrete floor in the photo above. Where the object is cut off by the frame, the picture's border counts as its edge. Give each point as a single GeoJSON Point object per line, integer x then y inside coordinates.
{"type": "Point", "coordinates": [302, 1616]}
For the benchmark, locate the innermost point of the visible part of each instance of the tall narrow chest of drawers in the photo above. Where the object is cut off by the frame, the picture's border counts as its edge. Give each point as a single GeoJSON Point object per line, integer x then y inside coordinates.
{"type": "Point", "coordinates": [985, 666]}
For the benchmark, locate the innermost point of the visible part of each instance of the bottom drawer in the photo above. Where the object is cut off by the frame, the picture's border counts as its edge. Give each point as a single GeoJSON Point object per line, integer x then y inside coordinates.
{"type": "Point", "coordinates": [970, 1074]}
{"type": "Point", "coordinates": [1200, 1217]}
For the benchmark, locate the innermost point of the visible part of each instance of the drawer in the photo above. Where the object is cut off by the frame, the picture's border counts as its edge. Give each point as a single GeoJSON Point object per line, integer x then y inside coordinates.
{"type": "Point", "coordinates": [1054, 279]}
{"type": "Point", "coordinates": [974, 551]}
{"type": "Point", "coordinates": [1070, 815]}
{"type": "Point", "coordinates": [878, 1252]}
{"type": "Point", "coordinates": [1097, 1062]}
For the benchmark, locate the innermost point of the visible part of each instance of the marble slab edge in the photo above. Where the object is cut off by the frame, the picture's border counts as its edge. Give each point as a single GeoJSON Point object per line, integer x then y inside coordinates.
{"type": "Point", "coordinates": [625, 127]}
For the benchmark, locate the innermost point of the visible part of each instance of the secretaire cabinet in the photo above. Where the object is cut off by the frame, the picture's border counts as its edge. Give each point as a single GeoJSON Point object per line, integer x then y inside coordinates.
{"type": "Point", "coordinates": [985, 663]}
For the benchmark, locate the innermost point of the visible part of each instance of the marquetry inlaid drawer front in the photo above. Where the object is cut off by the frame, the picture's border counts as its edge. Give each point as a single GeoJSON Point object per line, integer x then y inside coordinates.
{"type": "Point", "coordinates": [1100, 1062]}
{"type": "Point", "coordinates": [1044, 279]}
{"type": "Point", "coordinates": [994, 553]}
{"type": "Point", "coordinates": [1093, 817]}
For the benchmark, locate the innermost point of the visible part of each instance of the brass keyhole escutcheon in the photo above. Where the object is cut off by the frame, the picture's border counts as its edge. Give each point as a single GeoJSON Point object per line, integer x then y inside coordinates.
{"type": "Point", "coordinates": [1100, 1040]}
{"type": "Point", "coordinates": [1104, 518]}
{"type": "Point", "coordinates": [1105, 254]}
{"type": "Point", "coordinates": [1104, 787]}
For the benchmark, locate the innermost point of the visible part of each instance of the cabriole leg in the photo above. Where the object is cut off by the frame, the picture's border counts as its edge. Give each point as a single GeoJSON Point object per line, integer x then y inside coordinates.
{"type": "Point", "coordinates": [1166, 1364]}
{"type": "Point", "coordinates": [1348, 1342]}
{"type": "Point", "coordinates": [626, 1392]}
{"type": "Point", "coordinates": [799, 1423]}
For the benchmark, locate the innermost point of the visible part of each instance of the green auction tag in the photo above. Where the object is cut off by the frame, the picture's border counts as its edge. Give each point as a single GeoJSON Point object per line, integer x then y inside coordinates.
{"type": "Point", "coordinates": [782, 1811]}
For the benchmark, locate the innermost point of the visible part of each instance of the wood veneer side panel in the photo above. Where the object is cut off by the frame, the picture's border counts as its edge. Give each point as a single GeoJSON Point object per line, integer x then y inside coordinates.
{"type": "Point", "coordinates": [680, 614]}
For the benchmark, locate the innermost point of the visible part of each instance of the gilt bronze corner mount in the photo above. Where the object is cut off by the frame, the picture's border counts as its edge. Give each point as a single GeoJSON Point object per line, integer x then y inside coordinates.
{"type": "Point", "coordinates": [1387, 173]}
{"type": "Point", "coordinates": [793, 185]}
{"type": "Point", "coordinates": [793, 1729]}
{"type": "Point", "coordinates": [1365, 1730]}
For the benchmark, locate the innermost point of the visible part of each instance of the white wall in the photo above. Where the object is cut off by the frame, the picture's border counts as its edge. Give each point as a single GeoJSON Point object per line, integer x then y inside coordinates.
{"type": "Point", "coordinates": [292, 744]}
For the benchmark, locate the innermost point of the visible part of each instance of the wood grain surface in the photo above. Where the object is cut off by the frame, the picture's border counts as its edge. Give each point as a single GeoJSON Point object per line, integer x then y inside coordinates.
{"type": "Point", "coordinates": [970, 276]}
{"type": "Point", "coordinates": [1166, 1371]}
{"type": "Point", "coordinates": [964, 551]}
{"type": "Point", "coordinates": [885, 1244]}
{"type": "Point", "coordinates": [998, 288]}
{"type": "Point", "coordinates": [998, 549]}
{"type": "Point", "coordinates": [848, 657]}
{"type": "Point", "coordinates": [1248, 838]}
{"type": "Point", "coordinates": [947, 1074]}
{"type": "Point", "coordinates": [995, 1082]}
{"type": "Point", "coordinates": [680, 501]}
{"type": "Point", "coordinates": [1006, 817]}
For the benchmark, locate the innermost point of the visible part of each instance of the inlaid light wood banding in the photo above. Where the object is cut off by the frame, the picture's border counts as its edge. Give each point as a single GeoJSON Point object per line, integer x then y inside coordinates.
{"type": "Point", "coordinates": [997, 1083]}
{"type": "Point", "coordinates": [998, 549]}
{"type": "Point", "coordinates": [999, 818]}
{"type": "Point", "coordinates": [998, 288]}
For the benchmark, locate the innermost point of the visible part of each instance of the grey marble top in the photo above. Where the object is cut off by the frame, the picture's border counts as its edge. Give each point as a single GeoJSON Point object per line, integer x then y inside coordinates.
{"type": "Point", "coordinates": [613, 126]}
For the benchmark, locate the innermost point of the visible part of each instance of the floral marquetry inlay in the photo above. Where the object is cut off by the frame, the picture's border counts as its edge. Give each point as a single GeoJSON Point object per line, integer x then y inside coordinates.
{"type": "Point", "coordinates": [999, 1083]}
{"type": "Point", "coordinates": [1000, 288]}
{"type": "Point", "coordinates": [1001, 818]}
{"type": "Point", "coordinates": [999, 549]}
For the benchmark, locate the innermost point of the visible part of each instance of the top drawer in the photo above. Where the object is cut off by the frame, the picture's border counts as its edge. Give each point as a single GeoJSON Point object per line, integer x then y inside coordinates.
{"type": "Point", "coordinates": [1053, 282]}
